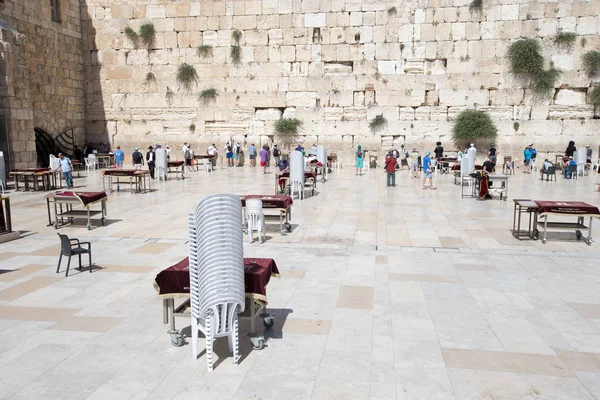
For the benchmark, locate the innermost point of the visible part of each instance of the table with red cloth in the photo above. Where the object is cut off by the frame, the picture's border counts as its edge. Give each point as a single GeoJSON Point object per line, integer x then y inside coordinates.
{"type": "Point", "coordinates": [40, 178]}
{"type": "Point", "coordinates": [179, 167]}
{"type": "Point", "coordinates": [208, 157]}
{"type": "Point", "coordinates": [76, 163]}
{"type": "Point", "coordinates": [280, 204]}
{"type": "Point", "coordinates": [566, 209]}
{"type": "Point", "coordinates": [135, 176]}
{"type": "Point", "coordinates": [456, 170]}
{"type": "Point", "coordinates": [443, 163]}
{"type": "Point", "coordinates": [174, 282]}
{"type": "Point", "coordinates": [310, 176]}
{"type": "Point", "coordinates": [68, 199]}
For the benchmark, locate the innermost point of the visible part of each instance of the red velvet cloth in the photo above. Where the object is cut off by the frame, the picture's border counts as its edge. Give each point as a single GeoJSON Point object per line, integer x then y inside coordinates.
{"type": "Point", "coordinates": [270, 201]}
{"type": "Point", "coordinates": [456, 167]}
{"type": "Point", "coordinates": [85, 197]}
{"type": "Point", "coordinates": [307, 174]}
{"type": "Point", "coordinates": [566, 207]}
{"type": "Point", "coordinates": [175, 164]}
{"type": "Point", "coordinates": [202, 156]}
{"type": "Point", "coordinates": [447, 159]}
{"type": "Point", "coordinates": [120, 172]}
{"type": "Point", "coordinates": [257, 273]}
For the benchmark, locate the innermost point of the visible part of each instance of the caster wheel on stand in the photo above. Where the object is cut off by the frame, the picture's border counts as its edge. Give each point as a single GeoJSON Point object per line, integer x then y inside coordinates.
{"type": "Point", "coordinates": [176, 339]}
{"type": "Point", "coordinates": [288, 227]}
{"type": "Point", "coordinates": [258, 342]}
{"type": "Point", "coordinates": [544, 241]}
{"type": "Point", "coordinates": [268, 322]}
{"type": "Point", "coordinates": [578, 234]}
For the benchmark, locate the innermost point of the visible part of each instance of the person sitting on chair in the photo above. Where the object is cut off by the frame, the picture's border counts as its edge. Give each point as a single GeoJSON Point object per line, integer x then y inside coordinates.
{"type": "Point", "coordinates": [283, 167]}
{"type": "Point", "coordinates": [484, 183]}
{"type": "Point", "coordinates": [545, 168]}
{"type": "Point", "coordinates": [568, 161]}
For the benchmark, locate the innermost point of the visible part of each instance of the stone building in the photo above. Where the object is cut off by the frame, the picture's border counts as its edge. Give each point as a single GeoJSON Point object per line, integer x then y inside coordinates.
{"type": "Point", "coordinates": [333, 64]}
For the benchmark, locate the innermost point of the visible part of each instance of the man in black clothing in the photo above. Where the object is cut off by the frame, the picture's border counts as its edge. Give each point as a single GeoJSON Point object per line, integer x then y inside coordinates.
{"type": "Point", "coordinates": [77, 154]}
{"type": "Point", "coordinates": [492, 155]}
{"type": "Point", "coordinates": [150, 159]}
{"type": "Point", "coordinates": [439, 150]}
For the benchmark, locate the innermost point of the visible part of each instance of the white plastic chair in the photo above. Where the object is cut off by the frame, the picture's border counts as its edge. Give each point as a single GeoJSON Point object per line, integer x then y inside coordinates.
{"type": "Point", "coordinates": [216, 272]}
{"type": "Point", "coordinates": [297, 174]}
{"type": "Point", "coordinates": [465, 178]}
{"type": "Point", "coordinates": [91, 162]}
{"type": "Point", "coordinates": [207, 164]}
{"type": "Point", "coordinates": [255, 219]}
{"type": "Point", "coordinates": [54, 162]}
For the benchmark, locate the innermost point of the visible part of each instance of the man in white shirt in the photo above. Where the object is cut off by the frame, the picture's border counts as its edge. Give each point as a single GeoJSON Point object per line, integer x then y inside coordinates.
{"type": "Point", "coordinates": [64, 165]}
{"type": "Point", "coordinates": [547, 165]}
{"type": "Point", "coordinates": [212, 151]}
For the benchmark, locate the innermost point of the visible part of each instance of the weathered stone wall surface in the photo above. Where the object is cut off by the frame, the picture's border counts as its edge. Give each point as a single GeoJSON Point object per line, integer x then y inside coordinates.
{"type": "Point", "coordinates": [335, 65]}
{"type": "Point", "coordinates": [44, 74]}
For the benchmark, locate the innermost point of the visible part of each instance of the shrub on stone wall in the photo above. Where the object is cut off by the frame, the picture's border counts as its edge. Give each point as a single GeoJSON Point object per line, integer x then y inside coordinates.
{"type": "Point", "coordinates": [377, 123]}
{"type": "Point", "coordinates": [474, 126]}
{"type": "Point", "coordinates": [476, 6]}
{"type": "Point", "coordinates": [545, 81]}
{"type": "Point", "coordinates": [591, 63]}
{"type": "Point", "coordinates": [525, 57]}
{"type": "Point", "coordinates": [147, 34]}
{"type": "Point", "coordinates": [187, 75]}
{"type": "Point", "coordinates": [236, 54]}
{"type": "Point", "coordinates": [208, 95]}
{"type": "Point", "coordinates": [150, 77]}
{"type": "Point", "coordinates": [287, 130]}
{"type": "Point", "coordinates": [204, 51]}
{"type": "Point", "coordinates": [594, 96]}
{"type": "Point", "coordinates": [169, 96]}
{"type": "Point", "coordinates": [565, 40]}
{"type": "Point", "coordinates": [131, 35]}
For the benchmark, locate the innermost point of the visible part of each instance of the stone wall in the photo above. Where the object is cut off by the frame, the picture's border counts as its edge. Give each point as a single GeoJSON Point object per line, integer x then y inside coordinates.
{"type": "Point", "coordinates": [44, 74]}
{"type": "Point", "coordinates": [335, 65]}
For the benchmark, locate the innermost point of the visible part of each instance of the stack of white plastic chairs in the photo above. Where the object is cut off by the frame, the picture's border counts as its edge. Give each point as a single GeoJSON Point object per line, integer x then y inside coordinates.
{"type": "Point", "coordinates": [161, 164]}
{"type": "Point", "coordinates": [54, 163]}
{"type": "Point", "coordinates": [322, 158]}
{"type": "Point", "coordinates": [91, 162]}
{"type": "Point", "coordinates": [216, 272]}
{"type": "Point", "coordinates": [297, 174]}
{"type": "Point", "coordinates": [465, 178]}
{"type": "Point", "coordinates": [255, 219]}
{"type": "Point", "coordinates": [580, 158]}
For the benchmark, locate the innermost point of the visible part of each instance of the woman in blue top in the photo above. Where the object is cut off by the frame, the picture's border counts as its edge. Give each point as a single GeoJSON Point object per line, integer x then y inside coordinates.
{"type": "Point", "coordinates": [527, 154]}
{"type": "Point", "coordinates": [360, 155]}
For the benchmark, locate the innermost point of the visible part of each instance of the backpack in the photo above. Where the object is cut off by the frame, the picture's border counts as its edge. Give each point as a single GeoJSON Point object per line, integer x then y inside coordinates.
{"type": "Point", "coordinates": [137, 157]}
{"type": "Point", "coordinates": [187, 154]}
{"type": "Point", "coordinates": [275, 152]}
{"type": "Point", "coordinates": [238, 149]}
{"type": "Point", "coordinates": [229, 148]}
{"type": "Point", "coordinates": [359, 153]}
{"type": "Point", "coordinates": [533, 153]}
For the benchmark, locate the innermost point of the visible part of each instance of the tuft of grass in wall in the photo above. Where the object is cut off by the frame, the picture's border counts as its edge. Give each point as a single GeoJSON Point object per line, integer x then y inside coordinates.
{"type": "Point", "coordinates": [392, 11]}
{"type": "Point", "coordinates": [402, 47]}
{"type": "Point", "coordinates": [565, 40]}
{"type": "Point", "coordinates": [192, 128]}
{"type": "Point", "coordinates": [476, 6]}
{"type": "Point", "coordinates": [287, 126]}
{"type": "Point", "coordinates": [545, 81]}
{"type": "Point", "coordinates": [236, 36]}
{"type": "Point", "coordinates": [236, 54]}
{"type": "Point", "coordinates": [187, 75]}
{"type": "Point", "coordinates": [208, 96]}
{"type": "Point", "coordinates": [205, 51]}
{"type": "Point", "coordinates": [516, 126]}
{"type": "Point", "coordinates": [147, 34]}
{"type": "Point", "coordinates": [150, 78]}
{"type": "Point", "coordinates": [169, 96]}
{"type": "Point", "coordinates": [525, 57]}
{"type": "Point", "coordinates": [473, 126]}
{"type": "Point", "coordinates": [335, 91]}
{"type": "Point", "coordinates": [591, 63]}
{"type": "Point", "coordinates": [377, 123]}
{"type": "Point", "coordinates": [594, 96]}
{"type": "Point", "coordinates": [131, 35]}
{"type": "Point", "coordinates": [583, 42]}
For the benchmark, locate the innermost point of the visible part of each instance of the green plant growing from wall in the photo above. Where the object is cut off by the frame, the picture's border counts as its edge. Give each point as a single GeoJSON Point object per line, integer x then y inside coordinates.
{"type": "Point", "coordinates": [591, 63]}
{"type": "Point", "coordinates": [377, 123]}
{"type": "Point", "coordinates": [208, 96]}
{"type": "Point", "coordinates": [192, 128]}
{"type": "Point", "coordinates": [147, 34]}
{"type": "Point", "coordinates": [594, 98]}
{"type": "Point", "coordinates": [565, 40]}
{"type": "Point", "coordinates": [131, 35]}
{"type": "Point", "coordinates": [474, 126]}
{"type": "Point", "coordinates": [402, 47]}
{"type": "Point", "coordinates": [205, 51]}
{"type": "Point", "coordinates": [583, 42]}
{"type": "Point", "coordinates": [335, 91]}
{"type": "Point", "coordinates": [287, 130]}
{"type": "Point", "coordinates": [545, 81]}
{"type": "Point", "coordinates": [236, 54]}
{"type": "Point", "coordinates": [516, 126]}
{"type": "Point", "coordinates": [236, 36]}
{"type": "Point", "coordinates": [476, 6]}
{"type": "Point", "coordinates": [150, 77]}
{"type": "Point", "coordinates": [187, 76]}
{"type": "Point", "coordinates": [525, 57]}
{"type": "Point", "coordinates": [169, 96]}
{"type": "Point", "coordinates": [392, 11]}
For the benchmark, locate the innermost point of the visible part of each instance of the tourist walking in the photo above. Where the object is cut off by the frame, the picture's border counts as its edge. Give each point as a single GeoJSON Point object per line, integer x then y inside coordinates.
{"type": "Point", "coordinates": [229, 154]}
{"type": "Point", "coordinates": [263, 154]}
{"type": "Point", "coordinates": [189, 158]}
{"type": "Point", "coordinates": [414, 163]}
{"type": "Point", "coordinates": [137, 159]}
{"type": "Point", "coordinates": [276, 154]}
{"type": "Point", "coordinates": [360, 155]}
{"type": "Point", "coordinates": [390, 168]}
{"type": "Point", "coordinates": [427, 171]}
{"type": "Point", "coordinates": [150, 160]}
{"type": "Point", "coordinates": [212, 151]}
{"type": "Point", "coordinates": [64, 165]}
{"type": "Point", "coordinates": [252, 155]}
{"type": "Point", "coordinates": [527, 160]}
{"type": "Point", "coordinates": [119, 157]}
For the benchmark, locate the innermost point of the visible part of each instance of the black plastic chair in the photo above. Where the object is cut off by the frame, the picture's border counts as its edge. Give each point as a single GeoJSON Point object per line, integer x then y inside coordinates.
{"type": "Point", "coordinates": [571, 172]}
{"type": "Point", "coordinates": [69, 249]}
{"type": "Point", "coordinates": [550, 172]}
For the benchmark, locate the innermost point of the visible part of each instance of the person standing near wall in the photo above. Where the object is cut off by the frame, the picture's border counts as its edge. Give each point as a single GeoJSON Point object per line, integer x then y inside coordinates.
{"type": "Point", "coordinates": [427, 171]}
{"type": "Point", "coordinates": [150, 157]}
{"type": "Point", "coordinates": [252, 155]}
{"type": "Point", "coordinates": [263, 158]}
{"type": "Point", "coordinates": [360, 155]}
{"type": "Point", "coordinates": [276, 154]}
{"type": "Point", "coordinates": [137, 159]}
{"type": "Point", "coordinates": [212, 151]}
{"type": "Point", "coordinates": [64, 165]}
{"type": "Point", "coordinates": [119, 157]}
{"type": "Point", "coordinates": [390, 168]}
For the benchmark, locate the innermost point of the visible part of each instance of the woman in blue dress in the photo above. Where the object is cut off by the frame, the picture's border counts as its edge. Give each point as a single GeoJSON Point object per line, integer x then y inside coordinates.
{"type": "Point", "coordinates": [360, 155]}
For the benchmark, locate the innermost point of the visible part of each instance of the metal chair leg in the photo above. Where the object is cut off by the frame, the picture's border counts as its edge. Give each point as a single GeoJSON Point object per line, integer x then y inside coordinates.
{"type": "Point", "coordinates": [59, 260]}
{"type": "Point", "coordinates": [90, 255]}
{"type": "Point", "coordinates": [68, 265]}
{"type": "Point", "coordinates": [79, 262]}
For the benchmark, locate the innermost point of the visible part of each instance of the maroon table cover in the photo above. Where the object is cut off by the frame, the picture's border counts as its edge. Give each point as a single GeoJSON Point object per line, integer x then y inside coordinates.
{"type": "Point", "coordinates": [120, 172]}
{"type": "Point", "coordinates": [270, 201]}
{"type": "Point", "coordinates": [175, 164]}
{"type": "Point", "coordinates": [456, 167]}
{"type": "Point", "coordinates": [202, 156]}
{"type": "Point", "coordinates": [175, 280]}
{"type": "Point", "coordinates": [566, 207]}
{"type": "Point", "coordinates": [447, 159]}
{"type": "Point", "coordinates": [307, 174]}
{"type": "Point", "coordinates": [36, 170]}
{"type": "Point", "coordinates": [85, 197]}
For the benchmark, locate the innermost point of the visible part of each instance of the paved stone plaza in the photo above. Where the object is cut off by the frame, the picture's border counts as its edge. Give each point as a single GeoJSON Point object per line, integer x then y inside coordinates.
{"type": "Point", "coordinates": [385, 293]}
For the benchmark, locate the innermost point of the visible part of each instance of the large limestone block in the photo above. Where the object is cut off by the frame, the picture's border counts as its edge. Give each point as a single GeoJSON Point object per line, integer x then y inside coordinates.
{"type": "Point", "coordinates": [587, 25]}
{"type": "Point", "coordinates": [315, 20]}
{"type": "Point", "coordinates": [155, 11]}
{"type": "Point", "coordinates": [570, 112]}
{"type": "Point", "coordinates": [570, 97]}
{"type": "Point", "coordinates": [300, 99]}
{"type": "Point", "coordinates": [333, 113]}
{"type": "Point", "coordinates": [564, 62]}
{"type": "Point", "coordinates": [386, 67]}
{"type": "Point", "coordinates": [443, 32]}
{"type": "Point", "coordinates": [269, 114]}
{"type": "Point", "coordinates": [355, 114]}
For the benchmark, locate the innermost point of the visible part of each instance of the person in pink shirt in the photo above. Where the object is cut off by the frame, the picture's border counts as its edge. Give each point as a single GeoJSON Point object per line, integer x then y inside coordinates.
{"type": "Point", "coordinates": [263, 154]}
